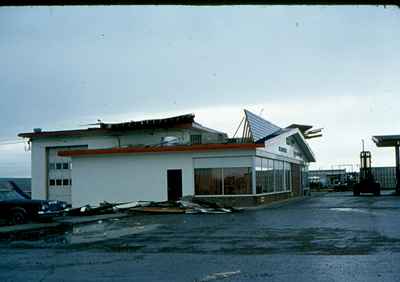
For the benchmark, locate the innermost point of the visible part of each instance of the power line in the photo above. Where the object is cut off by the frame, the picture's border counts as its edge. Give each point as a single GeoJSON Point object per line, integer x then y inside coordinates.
{"type": "Point", "coordinates": [11, 143]}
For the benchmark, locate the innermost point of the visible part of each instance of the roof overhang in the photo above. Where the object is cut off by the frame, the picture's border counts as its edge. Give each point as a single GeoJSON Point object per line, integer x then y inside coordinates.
{"type": "Point", "coordinates": [386, 140]}
{"type": "Point", "coordinates": [63, 133]}
{"type": "Point", "coordinates": [164, 149]}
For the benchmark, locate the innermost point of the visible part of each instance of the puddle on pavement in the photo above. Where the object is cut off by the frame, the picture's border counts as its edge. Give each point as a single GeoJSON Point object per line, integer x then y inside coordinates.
{"type": "Point", "coordinates": [352, 210]}
{"type": "Point", "coordinates": [219, 276]}
{"type": "Point", "coordinates": [95, 233]}
{"type": "Point", "coordinates": [91, 233]}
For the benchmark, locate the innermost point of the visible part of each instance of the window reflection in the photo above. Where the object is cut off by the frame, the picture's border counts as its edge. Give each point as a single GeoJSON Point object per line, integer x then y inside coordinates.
{"type": "Point", "coordinates": [272, 176]}
{"type": "Point", "coordinates": [223, 181]}
{"type": "Point", "coordinates": [237, 180]}
{"type": "Point", "coordinates": [208, 181]}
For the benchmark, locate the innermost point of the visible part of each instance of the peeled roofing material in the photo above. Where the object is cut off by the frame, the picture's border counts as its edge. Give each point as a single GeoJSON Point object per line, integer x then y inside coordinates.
{"type": "Point", "coordinates": [150, 123]}
{"type": "Point", "coordinates": [260, 127]}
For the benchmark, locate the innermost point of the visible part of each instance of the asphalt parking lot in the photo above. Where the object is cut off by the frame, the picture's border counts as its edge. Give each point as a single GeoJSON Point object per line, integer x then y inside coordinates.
{"type": "Point", "coordinates": [325, 237]}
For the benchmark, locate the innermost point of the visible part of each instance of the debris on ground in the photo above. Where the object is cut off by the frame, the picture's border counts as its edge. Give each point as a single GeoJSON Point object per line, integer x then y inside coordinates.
{"type": "Point", "coordinates": [129, 205]}
{"type": "Point", "coordinates": [189, 206]}
{"type": "Point", "coordinates": [103, 208]}
{"type": "Point", "coordinates": [182, 207]}
{"type": "Point", "coordinates": [157, 210]}
{"type": "Point", "coordinates": [219, 276]}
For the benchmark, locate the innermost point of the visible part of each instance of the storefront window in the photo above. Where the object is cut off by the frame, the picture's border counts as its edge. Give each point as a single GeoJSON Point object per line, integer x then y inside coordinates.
{"type": "Point", "coordinates": [273, 176]}
{"type": "Point", "coordinates": [304, 175]}
{"type": "Point", "coordinates": [237, 180]}
{"type": "Point", "coordinates": [223, 181]}
{"type": "Point", "coordinates": [260, 176]}
{"type": "Point", "coordinates": [279, 176]}
{"type": "Point", "coordinates": [264, 175]}
{"type": "Point", "coordinates": [208, 181]}
{"type": "Point", "coordinates": [288, 177]}
{"type": "Point", "coordinates": [269, 176]}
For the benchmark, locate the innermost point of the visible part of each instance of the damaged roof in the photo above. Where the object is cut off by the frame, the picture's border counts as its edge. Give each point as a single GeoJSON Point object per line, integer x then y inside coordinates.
{"type": "Point", "coordinates": [182, 121]}
{"type": "Point", "coordinates": [259, 127]}
{"type": "Point", "coordinates": [302, 127]}
{"type": "Point", "coordinates": [150, 123]}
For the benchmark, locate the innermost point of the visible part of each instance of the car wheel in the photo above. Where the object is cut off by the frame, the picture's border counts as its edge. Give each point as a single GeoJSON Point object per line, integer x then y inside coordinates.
{"type": "Point", "coordinates": [18, 216]}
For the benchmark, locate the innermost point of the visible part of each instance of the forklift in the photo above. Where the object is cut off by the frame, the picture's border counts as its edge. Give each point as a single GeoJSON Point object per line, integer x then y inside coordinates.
{"type": "Point", "coordinates": [367, 183]}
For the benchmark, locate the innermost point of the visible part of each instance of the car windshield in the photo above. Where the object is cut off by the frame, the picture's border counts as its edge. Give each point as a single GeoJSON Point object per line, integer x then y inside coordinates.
{"type": "Point", "coordinates": [7, 194]}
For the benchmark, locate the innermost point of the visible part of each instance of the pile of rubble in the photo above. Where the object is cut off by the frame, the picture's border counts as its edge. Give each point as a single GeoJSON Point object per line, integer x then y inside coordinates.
{"type": "Point", "coordinates": [167, 207]}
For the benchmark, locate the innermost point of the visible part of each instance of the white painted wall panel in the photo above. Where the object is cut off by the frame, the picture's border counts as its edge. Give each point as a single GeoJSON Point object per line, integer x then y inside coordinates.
{"type": "Point", "coordinates": [38, 171]}
{"type": "Point", "coordinates": [223, 162]}
{"type": "Point", "coordinates": [129, 177]}
{"type": "Point", "coordinates": [272, 147]}
{"type": "Point", "coordinates": [146, 173]}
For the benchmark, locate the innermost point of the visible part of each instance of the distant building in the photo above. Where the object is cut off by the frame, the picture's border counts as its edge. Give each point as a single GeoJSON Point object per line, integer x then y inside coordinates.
{"type": "Point", "coordinates": [328, 178]}
{"type": "Point", "coordinates": [165, 159]}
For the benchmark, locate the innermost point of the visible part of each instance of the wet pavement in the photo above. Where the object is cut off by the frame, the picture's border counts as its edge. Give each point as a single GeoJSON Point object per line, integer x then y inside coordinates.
{"type": "Point", "coordinates": [326, 237]}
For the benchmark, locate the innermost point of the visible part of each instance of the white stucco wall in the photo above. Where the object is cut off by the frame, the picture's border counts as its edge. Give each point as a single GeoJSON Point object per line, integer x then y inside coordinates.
{"type": "Point", "coordinates": [121, 178]}
{"type": "Point", "coordinates": [226, 161]}
{"type": "Point", "coordinates": [131, 177]}
{"type": "Point", "coordinates": [39, 146]}
{"type": "Point", "coordinates": [272, 148]}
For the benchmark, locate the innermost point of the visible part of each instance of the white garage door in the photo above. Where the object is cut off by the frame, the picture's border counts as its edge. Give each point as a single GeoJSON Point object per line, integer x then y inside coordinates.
{"type": "Point", "coordinates": [59, 179]}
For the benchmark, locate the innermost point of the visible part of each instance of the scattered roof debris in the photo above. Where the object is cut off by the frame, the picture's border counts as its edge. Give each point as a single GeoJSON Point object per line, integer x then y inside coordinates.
{"type": "Point", "coordinates": [166, 207]}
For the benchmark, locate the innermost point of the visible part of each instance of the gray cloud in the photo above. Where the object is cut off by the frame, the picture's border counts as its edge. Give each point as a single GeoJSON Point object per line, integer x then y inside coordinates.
{"type": "Point", "coordinates": [65, 66]}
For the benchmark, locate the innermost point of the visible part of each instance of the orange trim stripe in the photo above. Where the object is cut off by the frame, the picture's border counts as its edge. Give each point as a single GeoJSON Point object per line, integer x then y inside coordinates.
{"type": "Point", "coordinates": [165, 149]}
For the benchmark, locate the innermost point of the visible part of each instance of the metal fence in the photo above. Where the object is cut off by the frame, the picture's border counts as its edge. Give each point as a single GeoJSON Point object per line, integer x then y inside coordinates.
{"type": "Point", "coordinates": [386, 176]}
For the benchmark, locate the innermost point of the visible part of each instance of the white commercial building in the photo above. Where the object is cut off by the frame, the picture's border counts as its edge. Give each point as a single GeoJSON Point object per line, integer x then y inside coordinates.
{"type": "Point", "coordinates": [165, 159]}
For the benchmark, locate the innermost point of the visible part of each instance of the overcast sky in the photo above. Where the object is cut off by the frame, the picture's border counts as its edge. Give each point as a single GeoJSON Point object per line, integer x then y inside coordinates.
{"type": "Point", "coordinates": [332, 67]}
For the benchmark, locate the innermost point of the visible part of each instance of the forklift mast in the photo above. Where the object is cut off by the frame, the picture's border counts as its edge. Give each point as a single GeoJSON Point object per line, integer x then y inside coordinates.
{"type": "Point", "coordinates": [367, 184]}
{"type": "Point", "coordinates": [365, 166]}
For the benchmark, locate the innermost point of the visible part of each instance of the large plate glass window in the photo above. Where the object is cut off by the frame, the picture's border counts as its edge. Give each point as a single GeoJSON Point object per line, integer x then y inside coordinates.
{"type": "Point", "coordinates": [288, 177]}
{"type": "Point", "coordinates": [208, 181]}
{"type": "Point", "coordinates": [279, 176]}
{"type": "Point", "coordinates": [260, 179]}
{"type": "Point", "coordinates": [269, 175]}
{"type": "Point", "coordinates": [223, 181]}
{"type": "Point", "coordinates": [264, 176]}
{"type": "Point", "coordinates": [237, 180]}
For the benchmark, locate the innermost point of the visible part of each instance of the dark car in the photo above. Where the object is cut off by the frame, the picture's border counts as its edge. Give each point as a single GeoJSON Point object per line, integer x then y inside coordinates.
{"type": "Point", "coordinates": [17, 208]}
